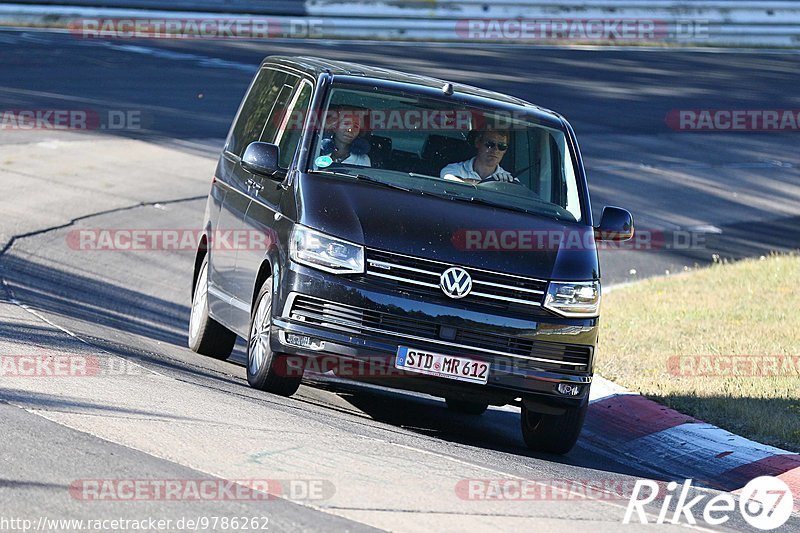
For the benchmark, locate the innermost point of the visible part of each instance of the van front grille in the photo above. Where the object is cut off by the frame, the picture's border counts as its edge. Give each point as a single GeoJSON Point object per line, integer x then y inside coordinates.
{"type": "Point", "coordinates": [502, 350]}
{"type": "Point", "coordinates": [422, 276]}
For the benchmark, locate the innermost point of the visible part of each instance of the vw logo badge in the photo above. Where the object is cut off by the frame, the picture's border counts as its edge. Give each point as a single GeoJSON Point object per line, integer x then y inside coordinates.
{"type": "Point", "coordinates": [455, 282]}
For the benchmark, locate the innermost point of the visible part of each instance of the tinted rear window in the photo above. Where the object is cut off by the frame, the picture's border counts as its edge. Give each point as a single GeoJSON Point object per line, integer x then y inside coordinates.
{"type": "Point", "coordinates": [269, 95]}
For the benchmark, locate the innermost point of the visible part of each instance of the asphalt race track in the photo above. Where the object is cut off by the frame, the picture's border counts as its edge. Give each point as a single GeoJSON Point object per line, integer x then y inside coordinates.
{"type": "Point", "coordinates": [380, 459]}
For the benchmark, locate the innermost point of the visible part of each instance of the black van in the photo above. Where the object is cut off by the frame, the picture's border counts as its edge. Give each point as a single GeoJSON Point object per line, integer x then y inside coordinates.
{"type": "Point", "coordinates": [406, 231]}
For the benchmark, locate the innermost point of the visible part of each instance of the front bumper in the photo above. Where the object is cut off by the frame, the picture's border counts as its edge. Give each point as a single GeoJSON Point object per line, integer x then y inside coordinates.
{"type": "Point", "coordinates": [351, 319]}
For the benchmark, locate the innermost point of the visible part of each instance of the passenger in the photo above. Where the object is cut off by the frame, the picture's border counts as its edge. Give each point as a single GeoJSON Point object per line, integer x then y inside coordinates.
{"type": "Point", "coordinates": [346, 138]}
{"type": "Point", "coordinates": [490, 146]}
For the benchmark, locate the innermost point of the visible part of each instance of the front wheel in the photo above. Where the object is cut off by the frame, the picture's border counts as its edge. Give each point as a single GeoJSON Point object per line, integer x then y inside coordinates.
{"type": "Point", "coordinates": [267, 370]}
{"type": "Point", "coordinates": [553, 433]}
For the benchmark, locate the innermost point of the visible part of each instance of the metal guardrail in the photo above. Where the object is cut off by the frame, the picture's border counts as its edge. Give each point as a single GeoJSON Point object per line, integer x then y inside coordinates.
{"type": "Point", "coordinates": [263, 7]}
{"type": "Point", "coordinates": [732, 22]}
{"type": "Point", "coordinates": [721, 22]}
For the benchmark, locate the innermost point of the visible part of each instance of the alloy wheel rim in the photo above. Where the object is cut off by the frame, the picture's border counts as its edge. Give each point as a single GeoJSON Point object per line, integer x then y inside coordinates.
{"type": "Point", "coordinates": [258, 345]}
{"type": "Point", "coordinates": [199, 302]}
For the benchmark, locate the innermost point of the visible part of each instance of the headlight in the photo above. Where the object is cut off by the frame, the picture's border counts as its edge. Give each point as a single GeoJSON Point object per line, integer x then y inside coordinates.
{"type": "Point", "coordinates": [312, 248]}
{"type": "Point", "coordinates": [580, 299]}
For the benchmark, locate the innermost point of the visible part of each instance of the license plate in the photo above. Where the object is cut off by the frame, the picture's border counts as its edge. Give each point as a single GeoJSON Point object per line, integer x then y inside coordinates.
{"type": "Point", "coordinates": [443, 366]}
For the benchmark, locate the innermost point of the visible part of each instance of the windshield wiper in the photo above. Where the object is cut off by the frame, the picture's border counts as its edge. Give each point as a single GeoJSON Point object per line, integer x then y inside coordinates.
{"type": "Point", "coordinates": [481, 201]}
{"type": "Point", "coordinates": [362, 177]}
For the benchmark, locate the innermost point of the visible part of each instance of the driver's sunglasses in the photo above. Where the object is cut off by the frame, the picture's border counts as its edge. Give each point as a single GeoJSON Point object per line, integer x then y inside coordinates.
{"type": "Point", "coordinates": [500, 146]}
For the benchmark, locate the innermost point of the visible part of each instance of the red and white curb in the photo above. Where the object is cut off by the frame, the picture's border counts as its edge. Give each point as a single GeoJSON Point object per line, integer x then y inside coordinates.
{"type": "Point", "coordinates": [628, 427]}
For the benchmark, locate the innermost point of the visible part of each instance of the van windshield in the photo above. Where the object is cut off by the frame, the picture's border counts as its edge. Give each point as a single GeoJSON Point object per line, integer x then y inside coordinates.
{"type": "Point", "coordinates": [440, 147]}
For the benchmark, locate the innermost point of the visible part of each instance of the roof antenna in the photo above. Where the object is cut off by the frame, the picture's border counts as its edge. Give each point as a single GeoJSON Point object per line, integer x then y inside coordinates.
{"type": "Point", "coordinates": [447, 89]}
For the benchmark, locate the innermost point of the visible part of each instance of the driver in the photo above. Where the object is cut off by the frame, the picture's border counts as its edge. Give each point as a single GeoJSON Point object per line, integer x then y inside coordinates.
{"type": "Point", "coordinates": [490, 146]}
{"type": "Point", "coordinates": [346, 137]}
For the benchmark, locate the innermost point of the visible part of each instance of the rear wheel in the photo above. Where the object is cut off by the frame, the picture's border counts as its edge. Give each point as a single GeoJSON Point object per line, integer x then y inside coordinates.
{"type": "Point", "coordinates": [206, 335]}
{"type": "Point", "coordinates": [267, 370]}
{"type": "Point", "coordinates": [466, 407]}
{"type": "Point", "coordinates": [552, 433]}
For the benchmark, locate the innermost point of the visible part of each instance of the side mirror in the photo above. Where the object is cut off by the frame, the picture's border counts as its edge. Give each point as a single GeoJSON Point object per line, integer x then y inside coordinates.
{"type": "Point", "coordinates": [615, 225]}
{"type": "Point", "coordinates": [262, 158]}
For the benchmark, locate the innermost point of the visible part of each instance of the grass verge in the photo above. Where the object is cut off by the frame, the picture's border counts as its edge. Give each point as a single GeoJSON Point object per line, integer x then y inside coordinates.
{"type": "Point", "coordinates": [721, 344]}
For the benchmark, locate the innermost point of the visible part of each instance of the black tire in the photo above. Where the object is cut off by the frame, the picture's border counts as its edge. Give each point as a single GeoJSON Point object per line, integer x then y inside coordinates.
{"type": "Point", "coordinates": [466, 407]}
{"type": "Point", "coordinates": [206, 335]}
{"type": "Point", "coordinates": [266, 370]}
{"type": "Point", "coordinates": [552, 433]}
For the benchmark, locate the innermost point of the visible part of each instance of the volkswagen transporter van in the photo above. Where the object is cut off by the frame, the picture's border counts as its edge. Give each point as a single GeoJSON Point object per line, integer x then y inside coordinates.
{"type": "Point", "coordinates": [405, 231]}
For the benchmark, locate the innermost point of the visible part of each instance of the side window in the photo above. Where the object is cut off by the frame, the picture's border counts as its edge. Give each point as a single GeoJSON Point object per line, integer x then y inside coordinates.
{"type": "Point", "coordinates": [264, 98]}
{"type": "Point", "coordinates": [292, 127]}
{"type": "Point", "coordinates": [572, 203]}
{"type": "Point", "coordinates": [545, 155]}
{"type": "Point", "coordinates": [284, 88]}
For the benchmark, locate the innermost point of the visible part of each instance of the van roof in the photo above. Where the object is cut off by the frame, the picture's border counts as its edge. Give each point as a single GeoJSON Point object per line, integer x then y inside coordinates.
{"type": "Point", "coordinates": [316, 66]}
